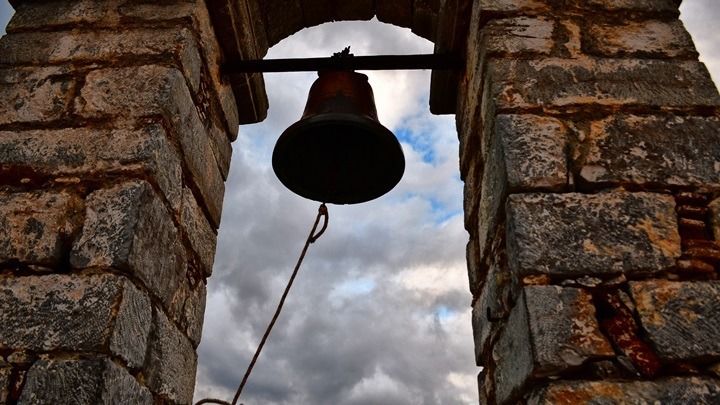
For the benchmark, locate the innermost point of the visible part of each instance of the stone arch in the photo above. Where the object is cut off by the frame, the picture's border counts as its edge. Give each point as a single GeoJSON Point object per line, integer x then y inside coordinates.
{"type": "Point", "coordinates": [247, 29]}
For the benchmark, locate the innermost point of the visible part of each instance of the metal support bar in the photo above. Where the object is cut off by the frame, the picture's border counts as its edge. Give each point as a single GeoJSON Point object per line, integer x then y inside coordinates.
{"type": "Point", "coordinates": [384, 62]}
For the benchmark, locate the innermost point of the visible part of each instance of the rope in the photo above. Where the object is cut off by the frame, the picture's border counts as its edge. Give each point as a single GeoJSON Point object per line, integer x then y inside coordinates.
{"type": "Point", "coordinates": [322, 213]}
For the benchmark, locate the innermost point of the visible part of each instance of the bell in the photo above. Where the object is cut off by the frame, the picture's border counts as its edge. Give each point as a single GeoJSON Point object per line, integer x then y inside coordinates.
{"type": "Point", "coordinates": [339, 152]}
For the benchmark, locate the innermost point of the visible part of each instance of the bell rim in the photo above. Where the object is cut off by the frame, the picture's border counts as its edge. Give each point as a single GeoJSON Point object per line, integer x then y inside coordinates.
{"type": "Point", "coordinates": [394, 176]}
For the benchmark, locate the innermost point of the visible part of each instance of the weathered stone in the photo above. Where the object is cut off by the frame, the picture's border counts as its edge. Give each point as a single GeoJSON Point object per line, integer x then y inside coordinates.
{"type": "Point", "coordinates": [34, 95]}
{"type": "Point", "coordinates": [518, 36]}
{"type": "Point", "coordinates": [472, 257]}
{"type": "Point", "coordinates": [533, 150]}
{"type": "Point", "coordinates": [198, 232]}
{"type": "Point", "coordinates": [188, 310]}
{"type": "Point", "coordinates": [570, 83]}
{"type": "Point", "coordinates": [492, 301]}
{"type": "Point", "coordinates": [525, 152]}
{"type": "Point", "coordinates": [715, 217]}
{"type": "Point", "coordinates": [424, 19]}
{"type": "Point", "coordinates": [222, 149]}
{"type": "Point", "coordinates": [665, 151]}
{"type": "Point", "coordinates": [690, 390]}
{"type": "Point", "coordinates": [681, 319]}
{"type": "Point", "coordinates": [4, 382]}
{"type": "Point", "coordinates": [163, 45]}
{"type": "Point", "coordinates": [550, 330]}
{"type": "Point", "coordinates": [32, 15]}
{"type": "Point", "coordinates": [154, 90]}
{"type": "Point", "coordinates": [601, 235]}
{"type": "Point", "coordinates": [95, 155]}
{"type": "Point", "coordinates": [94, 381]}
{"type": "Point", "coordinates": [38, 227]}
{"type": "Point", "coordinates": [512, 6]}
{"type": "Point", "coordinates": [98, 313]}
{"type": "Point", "coordinates": [171, 362]}
{"type": "Point", "coordinates": [471, 198]}
{"type": "Point", "coordinates": [128, 228]}
{"type": "Point", "coordinates": [634, 5]}
{"type": "Point", "coordinates": [282, 19]}
{"type": "Point", "coordinates": [396, 12]}
{"type": "Point", "coordinates": [650, 39]}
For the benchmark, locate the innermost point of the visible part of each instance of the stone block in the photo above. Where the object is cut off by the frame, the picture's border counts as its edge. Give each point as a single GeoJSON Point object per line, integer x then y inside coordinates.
{"type": "Point", "coordinates": [550, 330]}
{"type": "Point", "coordinates": [425, 18]}
{"type": "Point", "coordinates": [677, 390]}
{"type": "Point", "coordinates": [282, 19]}
{"type": "Point", "coordinates": [38, 227]}
{"type": "Point", "coordinates": [128, 228]}
{"type": "Point", "coordinates": [681, 319]}
{"type": "Point", "coordinates": [94, 155]}
{"type": "Point", "coordinates": [525, 152]}
{"type": "Point", "coordinates": [94, 313]}
{"type": "Point", "coordinates": [82, 382]}
{"type": "Point", "coordinates": [222, 149]}
{"type": "Point", "coordinates": [471, 197]}
{"type": "Point", "coordinates": [533, 151]}
{"type": "Point", "coordinates": [715, 218]}
{"type": "Point", "coordinates": [171, 363]}
{"type": "Point", "coordinates": [601, 235]}
{"type": "Point", "coordinates": [661, 151]}
{"type": "Point", "coordinates": [472, 257]}
{"type": "Point", "coordinates": [33, 16]}
{"type": "Point", "coordinates": [649, 6]}
{"type": "Point", "coordinates": [35, 95]}
{"type": "Point", "coordinates": [493, 7]}
{"type": "Point", "coordinates": [644, 39]}
{"type": "Point", "coordinates": [149, 90]}
{"type": "Point", "coordinates": [571, 83]}
{"type": "Point", "coordinates": [664, 151]}
{"type": "Point", "coordinates": [4, 382]}
{"type": "Point", "coordinates": [163, 45]}
{"type": "Point", "coordinates": [518, 36]}
{"type": "Point", "coordinates": [188, 309]}
{"type": "Point", "coordinates": [493, 298]}
{"type": "Point", "coordinates": [396, 12]}
{"type": "Point", "coordinates": [199, 233]}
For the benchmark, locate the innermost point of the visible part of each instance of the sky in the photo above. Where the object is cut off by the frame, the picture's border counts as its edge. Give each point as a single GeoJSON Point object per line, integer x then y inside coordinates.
{"type": "Point", "coordinates": [380, 311]}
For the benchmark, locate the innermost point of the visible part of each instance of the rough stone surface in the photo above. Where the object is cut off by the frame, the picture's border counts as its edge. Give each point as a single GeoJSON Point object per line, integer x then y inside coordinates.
{"type": "Point", "coordinates": [79, 313]}
{"type": "Point", "coordinates": [128, 228]}
{"type": "Point", "coordinates": [570, 83]}
{"type": "Point", "coordinates": [35, 95]}
{"type": "Point", "coordinates": [188, 310]}
{"type": "Point", "coordinates": [425, 18]}
{"type": "Point", "coordinates": [4, 382]}
{"type": "Point", "coordinates": [519, 35]}
{"type": "Point", "coordinates": [689, 390]}
{"type": "Point", "coordinates": [171, 363]}
{"type": "Point", "coordinates": [602, 234]}
{"type": "Point", "coordinates": [198, 231]}
{"type": "Point", "coordinates": [654, 150]}
{"type": "Point", "coordinates": [472, 257]}
{"type": "Point", "coordinates": [282, 19]}
{"type": "Point", "coordinates": [715, 218]}
{"type": "Point", "coordinates": [82, 382]}
{"type": "Point", "coordinates": [550, 330]}
{"type": "Point", "coordinates": [155, 90]}
{"type": "Point", "coordinates": [635, 5]}
{"type": "Point", "coordinates": [32, 48]}
{"type": "Point", "coordinates": [93, 155]}
{"type": "Point", "coordinates": [651, 39]}
{"type": "Point", "coordinates": [493, 297]}
{"type": "Point", "coordinates": [681, 319]}
{"type": "Point", "coordinates": [222, 149]}
{"type": "Point", "coordinates": [37, 227]}
{"type": "Point", "coordinates": [396, 12]}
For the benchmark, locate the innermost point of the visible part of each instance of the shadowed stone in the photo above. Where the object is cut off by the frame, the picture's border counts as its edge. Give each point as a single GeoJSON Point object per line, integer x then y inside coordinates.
{"type": "Point", "coordinates": [659, 39]}
{"type": "Point", "coordinates": [570, 235]}
{"type": "Point", "coordinates": [82, 382]}
{"type": "Point", "coordinates": [35, 94]}
{"type": "Point", "coordinates": [98, 313]}
{"type": "Point", "coordinates": [681, 319]}
{"type": "Point", "coordinates": [128, 228]}
{"type": "Point", "coordinates": [715, 217]}
{"type": "Point", "coordinates": [550, 330]}
{"type": "Point", "coordinates": [171, 362]}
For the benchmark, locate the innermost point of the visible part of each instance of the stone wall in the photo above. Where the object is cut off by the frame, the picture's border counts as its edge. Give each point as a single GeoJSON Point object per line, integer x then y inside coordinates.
{"type": "Point", "coordinates": [115, 130]}
{"type": "Point", "coordinates": [590, 150]}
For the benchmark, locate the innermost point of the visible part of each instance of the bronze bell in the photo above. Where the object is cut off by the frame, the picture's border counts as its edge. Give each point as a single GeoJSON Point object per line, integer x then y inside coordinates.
{"type": "Point", "coordinates": [339, 152]}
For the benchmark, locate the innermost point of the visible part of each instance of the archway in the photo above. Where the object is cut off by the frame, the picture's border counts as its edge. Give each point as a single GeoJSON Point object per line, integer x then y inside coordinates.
{"type": "Point", "coordinates": [380, 309]}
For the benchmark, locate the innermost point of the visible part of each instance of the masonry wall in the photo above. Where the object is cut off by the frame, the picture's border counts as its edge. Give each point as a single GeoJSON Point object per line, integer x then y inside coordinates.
{"type": "Point", "coordinates": [115, 130]}
{"type": "Point", "coordinates": [590, 150]}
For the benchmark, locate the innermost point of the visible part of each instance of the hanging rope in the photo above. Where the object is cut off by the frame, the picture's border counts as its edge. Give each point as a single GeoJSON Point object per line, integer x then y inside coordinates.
{"type": "Point", "coordinates": [322, 214]}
